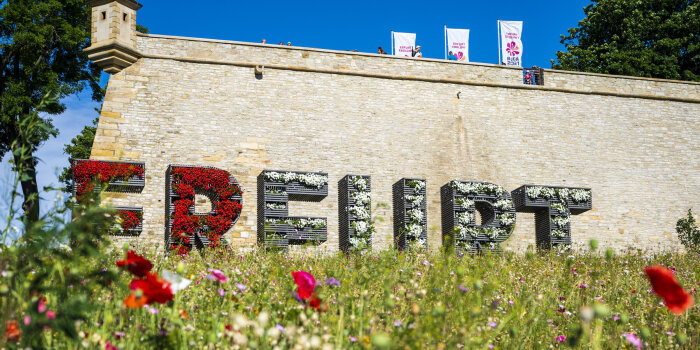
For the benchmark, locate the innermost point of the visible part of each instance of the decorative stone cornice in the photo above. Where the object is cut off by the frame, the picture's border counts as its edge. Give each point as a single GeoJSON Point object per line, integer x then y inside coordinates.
{"type": "Point", "coordinates": [112, 56]}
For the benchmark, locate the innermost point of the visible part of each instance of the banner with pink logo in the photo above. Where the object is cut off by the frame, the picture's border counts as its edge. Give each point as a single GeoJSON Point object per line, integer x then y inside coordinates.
{"type": "Point", "coordinates": [403, 43]}
{"type": "Point", "coordinates": [458, 43]}
{"type": "Point", "coordinates": [511, 44]}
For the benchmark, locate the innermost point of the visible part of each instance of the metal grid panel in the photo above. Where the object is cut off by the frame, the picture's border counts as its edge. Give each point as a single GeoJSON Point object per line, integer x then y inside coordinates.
{"type": "Point", "coordinates": [523, 203]}
{"type": "Point", "coordinates": [282, 234]}
{"type": "Point", "coordinates": [483, 202]}
{"type": "Point", "coordinates": [134, 184]}
{"type": "Point", "coordinates": [544, 225]}
{"type": "Point", "coordinates": [345, 218]}
{"type": "Point", "coordinates": [136, 231]}
{"type": "Point", "coordinates": [401, 206]}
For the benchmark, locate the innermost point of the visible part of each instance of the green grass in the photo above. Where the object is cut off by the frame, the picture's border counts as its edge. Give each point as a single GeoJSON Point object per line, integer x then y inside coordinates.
{"type": "Point", "coordinates": [396, 300]}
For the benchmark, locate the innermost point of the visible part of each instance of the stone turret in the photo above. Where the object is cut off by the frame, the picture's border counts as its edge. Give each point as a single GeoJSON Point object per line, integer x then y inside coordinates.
{"type": "Point", "coordinates": [113, 40]}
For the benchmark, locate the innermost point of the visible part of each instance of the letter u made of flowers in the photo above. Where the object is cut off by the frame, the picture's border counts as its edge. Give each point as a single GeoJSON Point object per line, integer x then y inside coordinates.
{"type": "Point", "coordinates": [355, 226]}
{"type": "Point", "coordinates": [461, 200]}
{"type": "Point", "coordinates": [553, 207]}
{"type": "Point", "coordinates": [91, 177]}
{"type": "Point", "coordinates": [186, 228]}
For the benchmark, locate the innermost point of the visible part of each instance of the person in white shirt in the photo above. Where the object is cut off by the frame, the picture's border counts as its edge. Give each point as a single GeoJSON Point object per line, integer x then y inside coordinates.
{"type": "Point", "coordinates": [416, 52]}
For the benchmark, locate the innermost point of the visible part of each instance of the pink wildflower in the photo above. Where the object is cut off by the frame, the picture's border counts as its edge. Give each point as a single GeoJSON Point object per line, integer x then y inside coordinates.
{"type": "Point", "coordinates": [217, 275]}
{"type": "Point", "coordinates": [632, 339]}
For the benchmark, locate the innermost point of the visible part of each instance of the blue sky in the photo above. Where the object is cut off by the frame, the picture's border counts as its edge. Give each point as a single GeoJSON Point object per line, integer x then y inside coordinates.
{"type": "Point", "coordinates": [361, 25]}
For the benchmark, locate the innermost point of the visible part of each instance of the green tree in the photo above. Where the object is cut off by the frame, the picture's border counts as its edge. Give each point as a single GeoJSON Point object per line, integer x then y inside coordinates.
{"type": "Point", "coordinates": [41, 53]}
{"type": "Point", "coordinates": [647, 38]}
{"type": "Point", "coordinates": [141, 29]}
{"type": "Point", "coordinates": [688, 232]}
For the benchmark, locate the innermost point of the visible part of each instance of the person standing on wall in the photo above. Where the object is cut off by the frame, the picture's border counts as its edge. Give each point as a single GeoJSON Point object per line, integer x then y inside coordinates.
{"type": "Point", "coordinates": [416, 52]}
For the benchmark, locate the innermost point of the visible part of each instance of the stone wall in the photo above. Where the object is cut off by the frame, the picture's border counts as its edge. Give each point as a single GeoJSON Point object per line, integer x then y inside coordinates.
{"type": "Point", "coordinates": [198, 102]}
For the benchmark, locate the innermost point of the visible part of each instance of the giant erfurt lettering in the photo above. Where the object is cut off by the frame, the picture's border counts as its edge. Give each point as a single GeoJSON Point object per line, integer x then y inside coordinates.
{"type": "Point", "coordinates": [245, 108]}
{"type": "Point", "coordinates": [461, 200]}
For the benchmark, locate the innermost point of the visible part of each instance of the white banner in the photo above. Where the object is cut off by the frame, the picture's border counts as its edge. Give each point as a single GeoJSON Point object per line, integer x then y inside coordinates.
{"type": "Point", "coordinates": [458, 43]}
{"type": "Point", "coordinates": [404, 43]}
{"type": "Point", "coordinates": [511, 44]}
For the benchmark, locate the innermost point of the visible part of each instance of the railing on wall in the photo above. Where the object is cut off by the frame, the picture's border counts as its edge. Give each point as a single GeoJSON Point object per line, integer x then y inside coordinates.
{"type": "Point", "coordinates": [533, 76]}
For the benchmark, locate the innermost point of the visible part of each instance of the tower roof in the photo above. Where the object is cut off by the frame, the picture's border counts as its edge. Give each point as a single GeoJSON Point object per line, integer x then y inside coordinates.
{"type": "Point", "coordinates": [134, 5]}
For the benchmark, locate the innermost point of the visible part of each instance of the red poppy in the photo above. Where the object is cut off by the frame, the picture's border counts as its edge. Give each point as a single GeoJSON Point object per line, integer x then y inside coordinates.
{"type": "Point", "coordinates": [665, 285]}
{"type": "Point", "coordinates": [315, 302]}
{"type": "Point", "coordinates": [12, 332]}
{"type": "Point", "coordinates": [136, 264]}
{"type": "Point", "coordinates": [153, 288]}
{"type": "Point", "coordinates": [305, 283]}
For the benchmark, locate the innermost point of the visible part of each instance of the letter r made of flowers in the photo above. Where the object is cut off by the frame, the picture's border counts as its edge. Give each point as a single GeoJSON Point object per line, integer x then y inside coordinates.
{"type": "Point", "coordinates": [187, 228]}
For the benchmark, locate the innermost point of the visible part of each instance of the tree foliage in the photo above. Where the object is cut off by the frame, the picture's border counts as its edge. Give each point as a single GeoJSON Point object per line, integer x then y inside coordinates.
{"type": "Point", "coordinates": [688, 232]}
{"type": "Point", "coordinates": [647, 38]}
{"type": "Point", "coordinates": [141, 29]}
{"type": "Point", "coordinates": [41, 53]}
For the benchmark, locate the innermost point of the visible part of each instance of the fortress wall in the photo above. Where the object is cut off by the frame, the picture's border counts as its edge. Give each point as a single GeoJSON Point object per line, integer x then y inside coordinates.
{"type": "Point", "coordinates": [645, 87]}
{"type": "Point", "coordinates": [199, 102]}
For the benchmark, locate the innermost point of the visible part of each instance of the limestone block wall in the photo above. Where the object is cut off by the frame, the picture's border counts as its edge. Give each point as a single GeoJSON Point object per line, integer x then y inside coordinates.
{"type": "Point", "coordinates": [198, 102]}
{"type": "Point", "coordinates": [643, 87]}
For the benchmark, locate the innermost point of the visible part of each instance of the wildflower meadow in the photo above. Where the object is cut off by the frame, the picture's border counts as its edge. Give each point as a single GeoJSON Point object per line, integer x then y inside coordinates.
{"type": "Point", "coordinates": [93, 296]}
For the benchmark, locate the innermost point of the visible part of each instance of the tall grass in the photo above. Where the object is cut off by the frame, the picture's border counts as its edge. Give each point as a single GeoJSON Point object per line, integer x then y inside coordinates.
{"type": "Point", "coordinates": [390, 299]}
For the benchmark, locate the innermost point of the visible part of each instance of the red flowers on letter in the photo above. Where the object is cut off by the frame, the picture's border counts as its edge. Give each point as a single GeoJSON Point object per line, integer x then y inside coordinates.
{"type": "Point", "coordinates": [136, 264]}
{"type": "Point", "coordinates": [665, 285]}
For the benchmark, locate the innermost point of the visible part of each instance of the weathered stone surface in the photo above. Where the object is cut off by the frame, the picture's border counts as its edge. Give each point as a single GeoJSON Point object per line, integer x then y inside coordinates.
{"type": "Point", "coordinates": [198, 102]}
